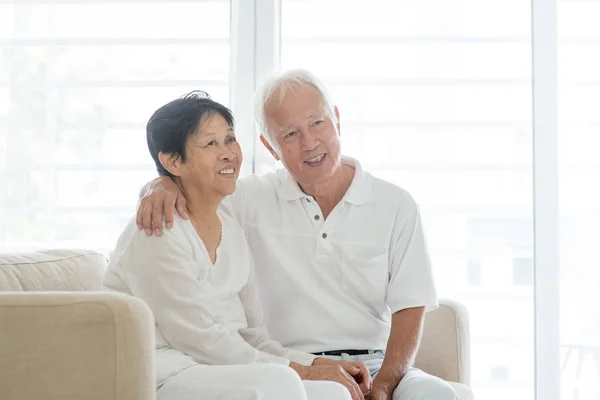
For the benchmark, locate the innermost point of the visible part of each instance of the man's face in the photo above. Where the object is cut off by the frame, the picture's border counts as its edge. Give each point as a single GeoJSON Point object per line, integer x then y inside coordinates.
{"type": "Point", "coordinates": [306, 138]}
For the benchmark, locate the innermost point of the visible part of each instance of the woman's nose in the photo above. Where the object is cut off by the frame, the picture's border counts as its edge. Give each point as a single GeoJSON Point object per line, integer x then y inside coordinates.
{"type": "Point", "coordinates": [227, 154]}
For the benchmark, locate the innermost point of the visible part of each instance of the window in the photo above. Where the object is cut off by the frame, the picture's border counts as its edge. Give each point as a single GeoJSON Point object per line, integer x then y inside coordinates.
{"type": "Point", "coordinates": [75, 95]}
{"type": "Point", "coordinates": [523, 271]}
{"type": "Point", "coordinates": [440, 104]}
{"type": "Point", "coordinates": [579, 201]}
{"type": "Point", "coordinates": [499, 374]}
{"type": "Point", "coordinates": [474, 272]}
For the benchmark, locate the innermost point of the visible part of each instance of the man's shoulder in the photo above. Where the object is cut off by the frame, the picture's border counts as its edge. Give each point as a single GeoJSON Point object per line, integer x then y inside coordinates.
{"type": "Point", "coordinates": [263, 186]}
{"type": "Point", "coordinates": [386, 192]}
{"type": "Point", "coordinates": [233, 230]}
{"type": "Point", "coordinates": [260, 181]}
{"type": "Point", "coordinates": [229, 222]}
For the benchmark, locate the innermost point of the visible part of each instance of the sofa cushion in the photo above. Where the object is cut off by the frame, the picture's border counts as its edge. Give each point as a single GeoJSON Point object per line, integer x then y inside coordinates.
{"type": "Point", "coordinates": [52, 270]}
{"type": "Point", "coordinates": [76, 346]}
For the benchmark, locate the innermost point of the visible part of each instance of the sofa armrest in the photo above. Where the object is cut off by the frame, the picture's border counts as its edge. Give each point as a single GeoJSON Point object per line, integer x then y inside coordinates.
{"type": "Point", "coordinates": [69, 345]}
{"type": "Point", "coordinates": [445, 346]}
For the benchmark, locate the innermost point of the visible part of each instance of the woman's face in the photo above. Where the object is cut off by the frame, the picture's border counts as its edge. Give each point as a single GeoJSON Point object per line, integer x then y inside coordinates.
{"type": "Point", "coordinates": [213, 159]}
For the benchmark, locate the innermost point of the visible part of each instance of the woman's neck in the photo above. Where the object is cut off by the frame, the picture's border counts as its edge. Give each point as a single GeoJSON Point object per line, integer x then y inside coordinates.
{"type": "Point", "coordinates": [201, 206]}
{"type": "Point", "coordinates": [203, 210]}
{"type": "Point", "coordinates": [206, 222]}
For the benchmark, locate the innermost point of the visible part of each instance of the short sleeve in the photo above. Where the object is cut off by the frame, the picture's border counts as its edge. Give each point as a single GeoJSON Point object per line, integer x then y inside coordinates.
{"type": "Point", "coordinates": [411, 279]}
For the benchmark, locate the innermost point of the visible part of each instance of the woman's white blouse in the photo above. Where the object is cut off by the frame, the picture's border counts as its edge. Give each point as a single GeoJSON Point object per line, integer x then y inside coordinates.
{"type": "Point", "coordinates": [206, 311]}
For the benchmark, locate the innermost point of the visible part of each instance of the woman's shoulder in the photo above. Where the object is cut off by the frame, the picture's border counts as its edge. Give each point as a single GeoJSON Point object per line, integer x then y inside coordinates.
{"type": "Point", "coordinates": [132, 237]}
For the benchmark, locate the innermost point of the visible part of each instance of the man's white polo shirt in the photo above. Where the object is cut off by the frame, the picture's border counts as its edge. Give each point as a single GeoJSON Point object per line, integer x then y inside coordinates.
{"type": "Point", "coordinates": [333, 284]}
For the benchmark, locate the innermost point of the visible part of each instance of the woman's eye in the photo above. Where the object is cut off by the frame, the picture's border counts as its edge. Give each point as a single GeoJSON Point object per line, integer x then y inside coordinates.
{"type": "Point", "coordinates": [231, 139]}
{"type": "Point", "coordinates": [212, 143]}
{"type": "Point", "coordinates": [290, 134]}
{"type": "Point", "coordinates": [319, 122]}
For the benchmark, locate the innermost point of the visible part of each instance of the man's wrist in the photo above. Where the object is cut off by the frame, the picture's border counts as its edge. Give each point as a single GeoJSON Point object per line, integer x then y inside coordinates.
{"type": "Point", "coordinates": [384, 385]}
{"type": "Point", "coordinates": [382, 388]}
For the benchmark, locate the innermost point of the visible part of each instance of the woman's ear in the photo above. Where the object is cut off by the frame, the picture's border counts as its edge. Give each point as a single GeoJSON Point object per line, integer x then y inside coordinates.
{"type": "Point", "coordinates": [171, 162]}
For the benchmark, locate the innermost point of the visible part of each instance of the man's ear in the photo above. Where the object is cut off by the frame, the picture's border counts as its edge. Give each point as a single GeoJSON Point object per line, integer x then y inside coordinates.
{"type": "Point", "coordinates": [337, 117]}
{"type": "Point", "coordinates": [170, 162]}
{"type": "Point", "coordinates": [265, 142]}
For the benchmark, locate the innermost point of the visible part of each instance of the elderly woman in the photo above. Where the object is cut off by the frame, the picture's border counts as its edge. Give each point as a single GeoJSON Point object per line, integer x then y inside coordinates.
{"type": "Point", "coordinates": [197, 277]}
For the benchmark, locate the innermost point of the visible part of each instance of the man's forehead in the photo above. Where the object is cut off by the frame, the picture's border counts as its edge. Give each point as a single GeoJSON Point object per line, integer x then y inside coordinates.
{"type": "Point", "coordinates": [283, 121]}
{"type": "Point", "coordinates": [306, 110]}
{"type": "Point", "coordinates": [292, 96]}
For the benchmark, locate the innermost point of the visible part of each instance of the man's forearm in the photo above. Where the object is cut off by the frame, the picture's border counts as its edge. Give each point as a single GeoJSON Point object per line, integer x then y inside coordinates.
{"type": "Point", "coordinates": [148, 187]}
{"type": "Point", "coordinates": [405, 335]}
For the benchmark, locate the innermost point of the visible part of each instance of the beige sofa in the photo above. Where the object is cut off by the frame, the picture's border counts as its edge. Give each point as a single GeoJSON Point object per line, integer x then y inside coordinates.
{"type": "Point", "coordinates": [62, 339]}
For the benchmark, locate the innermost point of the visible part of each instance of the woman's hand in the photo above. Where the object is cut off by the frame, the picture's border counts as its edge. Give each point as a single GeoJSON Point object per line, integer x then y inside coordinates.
{"type": "Point", "coordinates": [159, 197]}
{"type": "Point", "coordinates": [358, 370]}
{"type": "Point", "coordinates": [330, 372]}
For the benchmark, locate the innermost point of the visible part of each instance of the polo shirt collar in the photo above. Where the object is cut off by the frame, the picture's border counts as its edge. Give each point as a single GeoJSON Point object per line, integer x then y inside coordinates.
{"type": "Point", "coordinates": [359, 192]}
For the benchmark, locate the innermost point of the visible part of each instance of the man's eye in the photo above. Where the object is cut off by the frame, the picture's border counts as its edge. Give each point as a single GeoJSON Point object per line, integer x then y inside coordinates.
{"type": "Point", "coordinates": [231, 139]}
{"type": "Point", "coordinates": [211, 143]}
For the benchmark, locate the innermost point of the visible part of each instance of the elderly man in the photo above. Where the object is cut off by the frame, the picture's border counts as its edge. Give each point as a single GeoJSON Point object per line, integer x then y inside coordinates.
{"type": "Point", "coordinates": [340, 256]}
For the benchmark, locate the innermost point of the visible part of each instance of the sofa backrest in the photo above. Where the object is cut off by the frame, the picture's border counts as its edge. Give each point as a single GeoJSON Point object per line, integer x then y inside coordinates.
{"type": "Point", "coordinates": [52, 270]}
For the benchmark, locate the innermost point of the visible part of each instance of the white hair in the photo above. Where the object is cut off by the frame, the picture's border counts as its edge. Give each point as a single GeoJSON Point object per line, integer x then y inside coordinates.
{"type": "Point", "coordinates": [279, 84]}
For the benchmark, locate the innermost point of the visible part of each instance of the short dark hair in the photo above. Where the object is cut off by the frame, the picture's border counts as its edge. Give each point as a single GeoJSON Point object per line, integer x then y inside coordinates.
{"type": "Point", "coordinates": [171, 126]}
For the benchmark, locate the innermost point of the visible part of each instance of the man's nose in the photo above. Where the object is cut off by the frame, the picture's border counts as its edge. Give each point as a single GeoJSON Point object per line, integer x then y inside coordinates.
{"type": "Point", "coordinates": [309, 140]}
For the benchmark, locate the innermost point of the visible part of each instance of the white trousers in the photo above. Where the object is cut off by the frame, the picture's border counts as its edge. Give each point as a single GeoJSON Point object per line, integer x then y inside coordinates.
{"type": "Point", "coordinates": [415, 385]}
{"type": "Point", "coordinates": [179, 377]}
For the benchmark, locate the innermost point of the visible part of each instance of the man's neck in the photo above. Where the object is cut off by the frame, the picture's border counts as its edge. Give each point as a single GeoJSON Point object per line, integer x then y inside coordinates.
{"type": "Point", "coordinates": [330, 192]}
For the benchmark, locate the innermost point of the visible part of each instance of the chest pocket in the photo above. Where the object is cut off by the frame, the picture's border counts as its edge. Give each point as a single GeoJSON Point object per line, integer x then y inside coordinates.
{"type": "Point", "coordinates": [365, 275]}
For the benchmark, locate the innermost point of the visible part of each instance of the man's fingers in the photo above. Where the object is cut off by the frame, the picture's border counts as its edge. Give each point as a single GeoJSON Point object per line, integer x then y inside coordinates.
{"type": "Point", "coordinates": [169, 211]}
{"type": "Point", "coordinates": [157, 214]}
{"type": "Point", "coordinates": [147, 219]}
{"type": "Point", "coordinates": [180, 206]}
{"type": "Point", "coordinates": [139, 217]}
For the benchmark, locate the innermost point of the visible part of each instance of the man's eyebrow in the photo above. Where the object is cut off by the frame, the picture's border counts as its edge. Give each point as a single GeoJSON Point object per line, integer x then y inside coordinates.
{"type": "Point", "coordinates": [284, 128]}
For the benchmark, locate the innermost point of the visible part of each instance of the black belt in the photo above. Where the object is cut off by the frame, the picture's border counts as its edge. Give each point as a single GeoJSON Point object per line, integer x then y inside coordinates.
{"type": "Point", "coordinates": [349, 352]}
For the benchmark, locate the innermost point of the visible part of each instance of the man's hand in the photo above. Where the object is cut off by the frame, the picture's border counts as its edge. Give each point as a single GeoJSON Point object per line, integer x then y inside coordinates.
{"type": "Point", "coordinates": [379, 393]}
{"type": "Point", "coordinates": [358, 370]}
{"type": "Point", "coordinates": [159, 196]}
{"type": "Point", "coordinates": [330, 372]}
